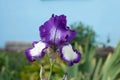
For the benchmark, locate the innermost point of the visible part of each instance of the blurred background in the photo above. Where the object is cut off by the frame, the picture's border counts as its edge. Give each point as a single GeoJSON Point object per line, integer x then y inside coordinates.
{"type": "Point", "coordinates": [97, 24]}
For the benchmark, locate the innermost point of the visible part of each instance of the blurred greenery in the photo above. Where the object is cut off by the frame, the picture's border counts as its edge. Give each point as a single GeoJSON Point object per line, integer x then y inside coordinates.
{"type": "Point", "coordinates": [86, 36]}
{"type": "Point", "coordinates": [15, 66]}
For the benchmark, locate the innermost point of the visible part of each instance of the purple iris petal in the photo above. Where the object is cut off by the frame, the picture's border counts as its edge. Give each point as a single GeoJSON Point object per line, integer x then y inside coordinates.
{"type": "Point", "coordinates": [55, 32]}
{"type": "Point", "coordinates": [69, 55]}
{"type": "Point", "coordinates": [29, 57]}
{"type": "Point", "coordinates": [38, 51]}
{"type": "Point", "coordinates": [34, 42]}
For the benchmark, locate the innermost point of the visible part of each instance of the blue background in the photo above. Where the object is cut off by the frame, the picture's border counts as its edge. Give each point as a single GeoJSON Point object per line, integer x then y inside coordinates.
{"type": "Point", "coordinates": [20, 19]}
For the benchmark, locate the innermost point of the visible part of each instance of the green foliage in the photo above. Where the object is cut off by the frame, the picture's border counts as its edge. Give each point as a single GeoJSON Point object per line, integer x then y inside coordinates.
{"type": "Point", "coordinates": [91, 69]}
{"type": "Point", "coordinates": [14, 66]}
{"type": "Point", "coordinates": [10, 65]}
{"type": "Point", "coordinates": [85, 35]}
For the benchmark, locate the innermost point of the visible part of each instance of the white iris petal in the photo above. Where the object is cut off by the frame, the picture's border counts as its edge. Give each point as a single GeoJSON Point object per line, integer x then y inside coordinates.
{"type": "Point", "coordinates": [68, 53]}
{"type": "Point", "coordinates": [37, 50]}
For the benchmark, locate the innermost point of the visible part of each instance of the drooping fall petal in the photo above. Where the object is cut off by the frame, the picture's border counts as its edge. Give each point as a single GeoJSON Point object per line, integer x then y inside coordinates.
{"type": "Point", "coordinates": [69, 55]}
{"type": "Point", "coordinates": [38, 51]}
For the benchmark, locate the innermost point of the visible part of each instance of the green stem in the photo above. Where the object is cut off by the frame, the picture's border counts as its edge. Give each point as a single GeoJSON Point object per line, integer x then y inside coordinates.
{"type": "Point", "coordinates": [51, 70]}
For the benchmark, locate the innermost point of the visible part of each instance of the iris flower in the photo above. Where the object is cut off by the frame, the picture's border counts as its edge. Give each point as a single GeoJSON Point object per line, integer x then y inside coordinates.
{"type": "Point", "coordinates": [55, 33]}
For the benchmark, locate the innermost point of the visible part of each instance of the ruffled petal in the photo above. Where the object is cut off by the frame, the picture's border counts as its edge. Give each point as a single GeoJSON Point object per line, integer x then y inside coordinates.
{"type": "Point", "coordinates": [69, 55]}
{"type": "Point", "coordinates": [70, 35]}
{"type": "Point", "coordinates": [54, 31]}
{"type": "Point", "coordinates": [38, 51]}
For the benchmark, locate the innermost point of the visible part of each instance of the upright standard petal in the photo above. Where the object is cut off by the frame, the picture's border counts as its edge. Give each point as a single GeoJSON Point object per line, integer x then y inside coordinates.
{"type": "Point", "coordinates": [69, 55]}
{"type": "Point", "coordinates": [38, 51]}
{"type": "Point", "coordinates": [54, 31]}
